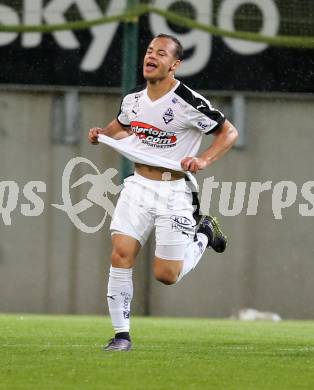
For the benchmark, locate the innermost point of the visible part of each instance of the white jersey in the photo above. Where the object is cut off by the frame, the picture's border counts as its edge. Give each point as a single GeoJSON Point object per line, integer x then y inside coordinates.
{"type": "Point", "coordinates": [171, 126]}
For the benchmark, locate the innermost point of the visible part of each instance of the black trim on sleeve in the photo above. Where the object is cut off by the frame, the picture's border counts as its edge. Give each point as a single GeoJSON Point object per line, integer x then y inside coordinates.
{"type": "Point", "coordinates": [216, 127]}
{"type": "Point", "coordinates": [199, 104]}
{"type": "Point", "coordinates": [122, 124]}
{"type": "Point", "coordinates": [119, 112]}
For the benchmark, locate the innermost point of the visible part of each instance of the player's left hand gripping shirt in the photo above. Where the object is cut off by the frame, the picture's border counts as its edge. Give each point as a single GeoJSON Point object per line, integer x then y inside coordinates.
{"type": "Point", "coordinates": [171, 126]}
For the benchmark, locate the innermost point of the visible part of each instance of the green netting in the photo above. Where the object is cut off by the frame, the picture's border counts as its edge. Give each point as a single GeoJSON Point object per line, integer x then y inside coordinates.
{"type": "Point", "coordinates": [296, 21]}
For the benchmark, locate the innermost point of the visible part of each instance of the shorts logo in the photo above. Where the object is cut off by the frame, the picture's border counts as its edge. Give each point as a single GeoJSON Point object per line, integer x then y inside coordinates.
{"type": "Point", "coordinates": [181, 220]}
{"type": "Point", "coordinates": [152, 136]}
{"type": "Point", "coordinates": [181, 223]}
{"type": "Point", "coordinates": [200, 246]}
{"type": "Point", "coordinates": [168, 116]}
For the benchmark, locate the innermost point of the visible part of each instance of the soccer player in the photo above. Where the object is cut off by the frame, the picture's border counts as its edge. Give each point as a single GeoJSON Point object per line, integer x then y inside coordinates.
{"type": "Point", "coordinates": [166, 120]}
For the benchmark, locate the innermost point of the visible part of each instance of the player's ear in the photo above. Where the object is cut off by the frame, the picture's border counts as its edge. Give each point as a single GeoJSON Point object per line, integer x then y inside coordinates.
{"type": "Point", "coordinates": [175, 65]}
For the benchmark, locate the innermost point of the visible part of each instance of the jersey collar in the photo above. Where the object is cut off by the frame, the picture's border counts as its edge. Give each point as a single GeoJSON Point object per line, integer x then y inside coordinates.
{"type": "Point", "coordinates": [162, 98]}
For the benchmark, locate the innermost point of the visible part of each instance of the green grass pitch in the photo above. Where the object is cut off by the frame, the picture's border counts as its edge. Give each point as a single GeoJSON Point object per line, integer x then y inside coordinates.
{"type": "Point", "coordinates": [65, 352]}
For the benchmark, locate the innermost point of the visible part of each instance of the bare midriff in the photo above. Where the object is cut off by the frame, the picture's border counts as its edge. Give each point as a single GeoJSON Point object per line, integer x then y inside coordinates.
{"type": "Point", "coordinates": [157, 173]}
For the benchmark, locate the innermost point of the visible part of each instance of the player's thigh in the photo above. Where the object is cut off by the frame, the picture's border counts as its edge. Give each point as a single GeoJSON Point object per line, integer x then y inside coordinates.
{"type": "Point", "coordinates": [174, 233]}
{"type": "Point", "coordinates": [167, 271]}
{"type": "Point", "coordinates": [131, 217]}
{"type": "Point", "coordinates": [124, 250]}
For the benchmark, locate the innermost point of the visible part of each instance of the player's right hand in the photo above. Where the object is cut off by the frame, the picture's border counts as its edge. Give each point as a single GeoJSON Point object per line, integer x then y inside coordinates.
{"type": "Point", "coordinates": [93, 135]}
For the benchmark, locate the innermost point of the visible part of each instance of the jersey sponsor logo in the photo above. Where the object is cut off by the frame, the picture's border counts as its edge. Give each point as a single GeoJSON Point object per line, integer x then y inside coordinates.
{"type": "Point", "coordinates": [175, 100]}
{"type": "Point", "coordinates": [202, 125]}
{"type": "Point", "coordinates": [152, 136]}
{"type": "Point", "coordinates": [168, 116]}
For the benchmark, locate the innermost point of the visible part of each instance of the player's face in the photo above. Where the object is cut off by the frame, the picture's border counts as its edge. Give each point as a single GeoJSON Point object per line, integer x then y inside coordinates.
{"type": "Point", "coordinates": [160, 61]}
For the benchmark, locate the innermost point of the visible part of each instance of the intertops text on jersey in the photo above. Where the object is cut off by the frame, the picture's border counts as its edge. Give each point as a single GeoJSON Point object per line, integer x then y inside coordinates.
{"type": "Point", "coordinates": [152, 136]}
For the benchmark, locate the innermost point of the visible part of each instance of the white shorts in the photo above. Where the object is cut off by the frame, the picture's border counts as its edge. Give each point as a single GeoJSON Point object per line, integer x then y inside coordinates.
{"type": "Point", "coordinates": [166, 205]}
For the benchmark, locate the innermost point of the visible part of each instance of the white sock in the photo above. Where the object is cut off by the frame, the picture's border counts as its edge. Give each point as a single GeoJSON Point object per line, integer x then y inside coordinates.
{"type": "Point", "coordinates": [193, 254]}
{"type": "Point", "coordinates": [119, 297]}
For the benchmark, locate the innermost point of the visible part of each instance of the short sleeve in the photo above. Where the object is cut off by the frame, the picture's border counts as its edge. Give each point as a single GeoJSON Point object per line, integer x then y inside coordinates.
{"type": "Point", "coordinates": [122, 116]}
{"type": "Point", "coordinates": [204, 117]}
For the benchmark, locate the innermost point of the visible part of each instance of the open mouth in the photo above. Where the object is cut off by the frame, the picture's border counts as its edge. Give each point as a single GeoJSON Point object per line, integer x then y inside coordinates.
{"type": "Point", "coordinates": [150, 66]}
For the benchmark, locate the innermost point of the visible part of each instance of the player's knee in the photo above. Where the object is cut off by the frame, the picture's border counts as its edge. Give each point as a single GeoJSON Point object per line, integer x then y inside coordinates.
{"type": "Point", "coordinates": [121, 259]}
{"type": "Point", "coordinates": [166, 276]}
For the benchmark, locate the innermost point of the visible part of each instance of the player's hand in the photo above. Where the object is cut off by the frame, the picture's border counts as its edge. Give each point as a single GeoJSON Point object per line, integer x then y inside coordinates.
{"type": "Point", "coordinates": [93, 135]}
{"type": "Point", "coordinates": [193, 164]}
